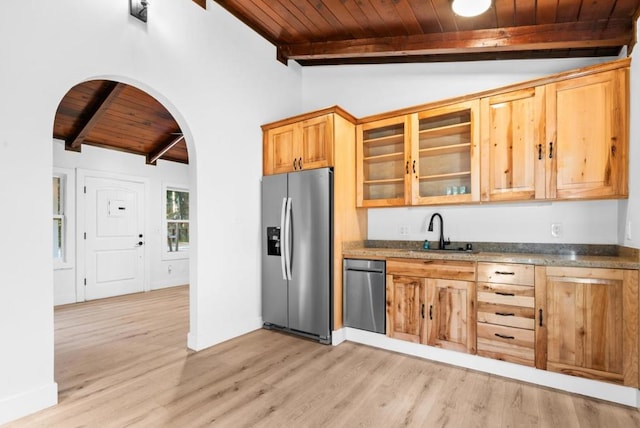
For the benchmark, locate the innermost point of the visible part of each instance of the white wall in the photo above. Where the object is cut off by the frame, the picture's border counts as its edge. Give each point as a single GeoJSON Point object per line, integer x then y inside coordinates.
{"type": "Point", "coordinates": [164, 270]}
{"type": "Point", "coordinates": [367, 89]}
{"type": "Point", "coordinates": [630, 209]}
{"type": "Point", "coordinates": [218, 79]}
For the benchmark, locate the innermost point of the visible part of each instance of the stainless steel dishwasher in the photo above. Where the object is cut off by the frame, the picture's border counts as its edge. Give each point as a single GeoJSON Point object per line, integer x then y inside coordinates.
{"type": "Point", "coordinates": [365, 294]}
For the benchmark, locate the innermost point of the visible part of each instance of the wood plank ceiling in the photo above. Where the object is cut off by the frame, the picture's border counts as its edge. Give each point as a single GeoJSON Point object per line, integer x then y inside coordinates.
{"type": "Point", "coordinates": [121, 117]}
{"type": "Point", "coordinates": [318, 32]}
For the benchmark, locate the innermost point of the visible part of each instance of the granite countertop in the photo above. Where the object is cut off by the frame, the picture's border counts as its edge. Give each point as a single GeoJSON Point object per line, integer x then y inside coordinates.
{"type": "Point", "coordinates": [573, 255]}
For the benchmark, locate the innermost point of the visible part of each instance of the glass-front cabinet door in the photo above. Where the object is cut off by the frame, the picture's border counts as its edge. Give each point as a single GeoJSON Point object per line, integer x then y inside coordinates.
{"type": "Point", "coordinates": [445, 163]}
{"type": "Point", "coordinates": [383, 162]}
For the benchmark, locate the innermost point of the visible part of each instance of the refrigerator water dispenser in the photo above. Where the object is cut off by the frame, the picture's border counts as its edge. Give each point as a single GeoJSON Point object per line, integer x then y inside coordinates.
{"type": "Point", "coordinates": [273, 241]}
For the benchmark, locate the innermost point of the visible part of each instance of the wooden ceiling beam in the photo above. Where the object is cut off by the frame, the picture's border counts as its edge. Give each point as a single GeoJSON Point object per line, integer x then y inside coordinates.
{"type": "Point", "coordinates": [201, 3]}
{"type": "Point", "coordinates": [94, 113]}
{"type": "Point", "coordinates": [602, 33]}
{"type": "Point", "coordinates": [152, 158]}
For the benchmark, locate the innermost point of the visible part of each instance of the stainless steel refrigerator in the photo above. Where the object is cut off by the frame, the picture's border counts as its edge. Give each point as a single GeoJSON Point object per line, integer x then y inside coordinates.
{"type": "Point", "coordinates": [297, 271]}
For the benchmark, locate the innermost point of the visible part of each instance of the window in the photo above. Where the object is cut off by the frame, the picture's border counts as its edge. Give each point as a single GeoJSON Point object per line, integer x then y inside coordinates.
{"type": "Point", "coordinates": [177, 216]}
{"type": "Point", "coordinates": [58, 218]}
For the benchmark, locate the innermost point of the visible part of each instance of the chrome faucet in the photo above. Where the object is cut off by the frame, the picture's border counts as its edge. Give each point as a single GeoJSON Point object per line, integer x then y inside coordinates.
{"type": "Point", "coordinates": [442, 243]}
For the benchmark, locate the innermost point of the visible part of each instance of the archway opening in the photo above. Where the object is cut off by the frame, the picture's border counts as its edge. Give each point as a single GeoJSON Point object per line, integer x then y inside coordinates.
{"type": "Point", "coordinates": [121, 226]}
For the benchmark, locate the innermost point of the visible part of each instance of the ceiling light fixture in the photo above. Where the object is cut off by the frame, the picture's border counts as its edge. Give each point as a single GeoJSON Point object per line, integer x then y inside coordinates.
{"type": "Point", "coordinates": [138, 8]}
{"type": "Point", "coordinates": [468, 8]}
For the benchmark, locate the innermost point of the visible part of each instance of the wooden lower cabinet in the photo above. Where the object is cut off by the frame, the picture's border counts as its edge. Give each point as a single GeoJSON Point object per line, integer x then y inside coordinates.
{"type": "Point", "coordinates": [434, 311]}
{"type": "Point", "coordinates": [450, 323]}
{"type": "Point", "coordinates": [405, 307]}
{"type": "Point", "coordinates": [589, 325]}
{"type": "Point", "coordinates": [506, 312]}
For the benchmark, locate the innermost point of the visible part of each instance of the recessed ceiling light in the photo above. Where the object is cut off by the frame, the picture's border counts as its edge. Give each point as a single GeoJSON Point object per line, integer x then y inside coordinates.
{"type": "Point", "coordinates": [469, 8]}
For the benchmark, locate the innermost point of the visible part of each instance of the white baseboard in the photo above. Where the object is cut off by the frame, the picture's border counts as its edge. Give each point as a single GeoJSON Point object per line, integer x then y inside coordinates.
{"type": "Point", "coordinates": [627, 396]}
{"type": "Point", "coordinates": [338, 336]}
{"type": "Point", "coordinates": [26, 403]}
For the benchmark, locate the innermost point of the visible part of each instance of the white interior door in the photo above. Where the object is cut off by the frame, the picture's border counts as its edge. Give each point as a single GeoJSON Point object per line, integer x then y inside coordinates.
{"type": "Point", "coordinates": [114, 245]}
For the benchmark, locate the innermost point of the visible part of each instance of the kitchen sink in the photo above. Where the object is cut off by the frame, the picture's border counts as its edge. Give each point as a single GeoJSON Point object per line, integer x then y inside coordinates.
{"type": "Point", "coordinates": [448, 250]}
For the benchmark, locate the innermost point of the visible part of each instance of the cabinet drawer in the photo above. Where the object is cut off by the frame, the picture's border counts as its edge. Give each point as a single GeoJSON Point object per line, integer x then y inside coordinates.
{"type": "Point", "coordinates": [510, 316]}
{"type": "Point", "coordinates": [444, 269]}
{"type": "Point", "coordinates": [506, 343]}
{"type": "Point", "coordinates": [506, 294]}
{"type": "Point", "coordinates": [506, 273]}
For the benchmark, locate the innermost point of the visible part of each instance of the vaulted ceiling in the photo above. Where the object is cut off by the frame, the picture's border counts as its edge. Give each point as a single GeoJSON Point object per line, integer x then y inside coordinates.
{"type": "Point", "coordinates": [379, 31]}
{"type": "Point", "coordinates": [317, 32]}
{"type": "Point", "coordinates": [121, 117]}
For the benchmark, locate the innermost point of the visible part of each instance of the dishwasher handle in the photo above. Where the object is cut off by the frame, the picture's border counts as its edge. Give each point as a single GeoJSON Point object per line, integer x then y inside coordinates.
{"type": "Point", "coordinates": [373, 270]}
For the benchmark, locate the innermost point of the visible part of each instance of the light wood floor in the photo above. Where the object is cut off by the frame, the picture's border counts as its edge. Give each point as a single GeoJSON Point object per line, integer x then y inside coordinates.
{"type": "Point", "coordinates": [123, 362]}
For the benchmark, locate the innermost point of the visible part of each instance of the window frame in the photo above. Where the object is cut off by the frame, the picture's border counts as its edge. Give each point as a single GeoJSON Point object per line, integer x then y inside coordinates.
{"type": "Point", "coordinates": [166, 254]}
{"type": "Point", "coordinates": [67, 184]}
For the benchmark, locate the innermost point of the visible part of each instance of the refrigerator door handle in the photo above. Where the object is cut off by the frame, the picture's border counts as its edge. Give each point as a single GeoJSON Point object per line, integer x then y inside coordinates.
{"type": "Point", "coordinates": [287, 239]}
{"type": "Point", "coordinates": [283, 240]}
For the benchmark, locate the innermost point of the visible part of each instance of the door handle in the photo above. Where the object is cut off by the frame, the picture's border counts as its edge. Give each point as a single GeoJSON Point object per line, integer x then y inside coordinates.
{"type": "Point", "coordinates": [283, 238]}
{"type": "Point", "coordinates": [287, 243]}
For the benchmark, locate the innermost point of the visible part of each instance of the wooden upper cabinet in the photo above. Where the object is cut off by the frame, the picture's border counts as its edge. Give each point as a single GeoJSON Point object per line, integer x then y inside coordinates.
{"type": "Point", "coordinates": [445, 162]}
{"type": "Point", "coordinates": [513, 145]}
{"type": "Point", "coordinates": [423, 158]}
{"type": "Point", "coordinates": [587, 136]}
{"type": "Point", "coordinates": [317, 143]}
{"type": "Point", "coordinates": [306, 144]}
{"type": "Point", "coordinates": [382, 162]}
{"type": "Point", "coordinates": [589, 324]}
{"type": "Point", "coordinates": [279, 153]}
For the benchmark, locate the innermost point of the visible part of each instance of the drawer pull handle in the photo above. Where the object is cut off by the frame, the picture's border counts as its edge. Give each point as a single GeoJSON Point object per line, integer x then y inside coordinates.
{"type": "Point", "coordinates": [430, 312]}
{"type": "Point", "coordinates": [540, 313]}
{"type": "Point", "coordinates": [422, 311]}
{"type": "Point", "coordinates": [501, 293]}
{"type": "Point", "coordinates": [504, 336]}
{"type": "Point", "coordinates": [501, 272]}
{"type": "Point", "coordinates": [506, 314]}
{"type": "Point", "coordinates": [426, 262]}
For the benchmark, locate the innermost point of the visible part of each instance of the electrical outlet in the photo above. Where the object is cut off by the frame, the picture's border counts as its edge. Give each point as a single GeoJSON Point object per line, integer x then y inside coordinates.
{"type": "Point", "coordinates": [556, 230]}
{"type": "Point", "coordinates": [403, 230]}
